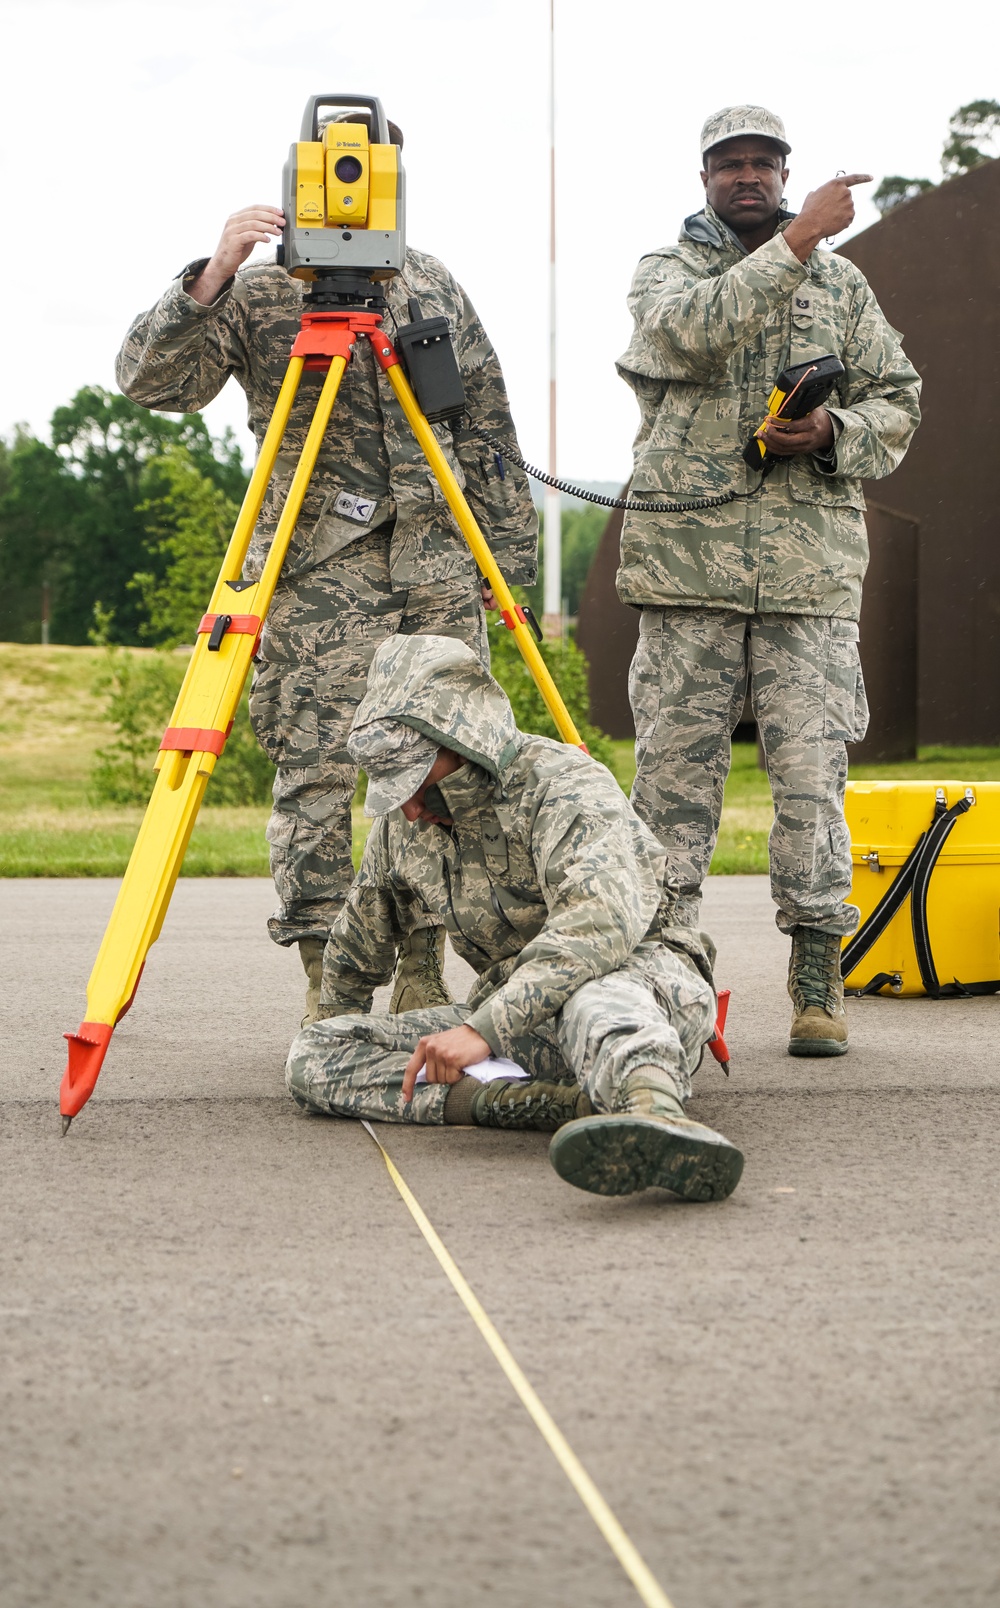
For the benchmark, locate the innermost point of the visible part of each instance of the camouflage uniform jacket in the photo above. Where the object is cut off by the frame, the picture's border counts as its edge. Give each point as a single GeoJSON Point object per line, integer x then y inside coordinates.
{"type": "Point", "coordinates": [546, 880]}
{"type": "Point", "coordinates": [179, 355]}
{"type": "Point", "coordinates": [714, 327]}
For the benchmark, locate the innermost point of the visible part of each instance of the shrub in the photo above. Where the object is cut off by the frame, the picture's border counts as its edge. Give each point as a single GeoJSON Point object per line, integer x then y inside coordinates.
{"type": "Point", "coordinates": [188, 521]}
{"type": "Point", "coordinates": [567, 665]}
{"type": "Point", "coordinates": [139, 693]}
{"type": "Point", "coordinates": [140, 689]}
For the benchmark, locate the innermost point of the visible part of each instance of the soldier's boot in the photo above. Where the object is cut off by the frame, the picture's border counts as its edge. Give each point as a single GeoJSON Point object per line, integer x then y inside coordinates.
{"type": "Point", "coordinates": [419, 982]}
{"type": "Point", "coordinates": [649, 1142]}
{"type": "Point", "coordinates": [515, 1103]}
{"type": "Point", "coordinates": [819, 1020]}
{"type": "Point", "coordinates": [311, 953]}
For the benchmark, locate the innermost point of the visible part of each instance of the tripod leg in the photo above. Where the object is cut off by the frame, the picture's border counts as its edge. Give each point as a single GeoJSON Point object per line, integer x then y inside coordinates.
{"type": "Point", "coordinates": [203, 714]}
{"type": "Point", "coordinates": [513, 616]}
{"type": "Point", "coordinates": [239, 542]}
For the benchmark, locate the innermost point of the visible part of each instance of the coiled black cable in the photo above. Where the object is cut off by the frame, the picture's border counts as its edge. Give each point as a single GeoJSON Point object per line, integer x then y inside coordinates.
{"type": "Point", "coordinates": [507, 451]}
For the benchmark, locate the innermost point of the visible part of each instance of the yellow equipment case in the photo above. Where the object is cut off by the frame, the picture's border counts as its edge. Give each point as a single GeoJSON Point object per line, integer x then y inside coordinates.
{"type": "Point", "coordinates": [927, 882]}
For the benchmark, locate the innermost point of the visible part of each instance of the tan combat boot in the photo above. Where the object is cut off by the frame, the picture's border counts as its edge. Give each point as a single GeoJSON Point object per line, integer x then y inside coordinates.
{"type": "Point", "coordinates": [311, 953]}
{"type": "Point", "coordinates": [819, 1022]}
{"type": "Point", "coordinates": [648, 1142]}
{"type": "Point", "coordinates": [419, 982]}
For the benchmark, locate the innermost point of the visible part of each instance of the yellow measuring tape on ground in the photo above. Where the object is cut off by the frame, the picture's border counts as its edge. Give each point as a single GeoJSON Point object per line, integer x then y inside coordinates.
{"type": "Point", "coordinates": [642, 1578]}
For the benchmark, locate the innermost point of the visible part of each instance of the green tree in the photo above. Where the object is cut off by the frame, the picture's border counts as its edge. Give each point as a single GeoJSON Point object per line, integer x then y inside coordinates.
{"type": "Point", "coordinates": [39, 505]}
{"type": "Point", "coordinates": [188, 521]}
{"type": "Point", "coordinates": [973, 137]}
{"type": "Point", "coordinates": [582, 529]}
{"type": "Point", "coordinates": [69, 512]}
{"type": "Point", "coordinates": [568, 667]}
{"type": "Point", "coordinates": [894, 190]}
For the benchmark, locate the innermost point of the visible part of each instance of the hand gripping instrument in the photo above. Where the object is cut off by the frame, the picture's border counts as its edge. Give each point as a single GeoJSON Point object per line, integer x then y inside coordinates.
{"type": "Point", "coordinates": [798, 390]}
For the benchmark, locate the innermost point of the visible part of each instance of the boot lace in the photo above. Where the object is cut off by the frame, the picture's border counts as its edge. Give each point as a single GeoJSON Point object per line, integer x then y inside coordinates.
{"type": "Point", "coordinates": [814, 974]}
{"type": "Point", "coordinates": [530, 1104]}
{"type": "Point", "coordinates": [432, 978]}
{"type": "Point", "coordinates": [419, 968]}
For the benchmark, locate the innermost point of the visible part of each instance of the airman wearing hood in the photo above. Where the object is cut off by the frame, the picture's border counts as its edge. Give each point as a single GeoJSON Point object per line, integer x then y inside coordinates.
{"type": "Point", "coordinates": [553, 890]}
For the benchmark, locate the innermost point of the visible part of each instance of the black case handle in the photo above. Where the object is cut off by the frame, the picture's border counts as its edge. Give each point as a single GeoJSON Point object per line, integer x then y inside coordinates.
{"type": "Point", "coordinates": [914, 879]}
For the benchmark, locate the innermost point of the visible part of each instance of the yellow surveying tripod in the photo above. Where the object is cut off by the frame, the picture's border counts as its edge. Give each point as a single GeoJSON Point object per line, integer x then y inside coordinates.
{"type": "Point", "coordinates": [227, 640]}
{"type": "Point", "coordinates": [226, 643]}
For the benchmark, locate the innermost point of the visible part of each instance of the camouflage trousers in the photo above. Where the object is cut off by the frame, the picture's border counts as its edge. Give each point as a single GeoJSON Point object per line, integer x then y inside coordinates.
{"type": "Point", "coordinates": [322, 630]}
{"type": "Point", "coordinates": [656, 1011]}
{"type": "Point", "coordinates": [687, 686]}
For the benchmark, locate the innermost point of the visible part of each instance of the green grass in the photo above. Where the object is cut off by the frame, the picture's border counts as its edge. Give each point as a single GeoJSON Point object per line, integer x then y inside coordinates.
{"type": "Point", "coordinates": [747, 813]}
{"type": "Point", "coordinates": [97, 843]}
{"type": "Point", "coordinates": [51, 826]}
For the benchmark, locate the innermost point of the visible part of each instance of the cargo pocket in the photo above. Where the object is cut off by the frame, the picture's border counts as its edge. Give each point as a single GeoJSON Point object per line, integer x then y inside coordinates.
{"type": "Point", "coordinates": [284, 715]}
{"type": "Point", "coordinates": [507, 510]}
{"type": "Point", "coordinates": [645, 676]}
{"type": "Point", "coordinates": [806, 484]}
{"type": "Point", "coordinates": [339, 690]}
{"type": "Point", "coordinates": [846, 709]}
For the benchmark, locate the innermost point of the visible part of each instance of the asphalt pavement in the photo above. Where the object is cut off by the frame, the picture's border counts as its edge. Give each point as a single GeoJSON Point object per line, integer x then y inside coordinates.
{"type": "Point", "coordinates": [233, 1376]}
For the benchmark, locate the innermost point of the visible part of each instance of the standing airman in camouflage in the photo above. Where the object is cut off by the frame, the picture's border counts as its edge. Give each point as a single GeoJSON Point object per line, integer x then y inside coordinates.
{"type": "Point", "coordinates": [375, 550]}
{"type": "Point", "coordinates": [553, 891]}
{"type": "Point", "coordinates": [765, 590]}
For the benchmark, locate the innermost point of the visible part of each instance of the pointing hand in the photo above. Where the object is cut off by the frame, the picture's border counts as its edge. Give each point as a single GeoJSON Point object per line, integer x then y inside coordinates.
{"type": "Point", "coordinates": [825, 211]}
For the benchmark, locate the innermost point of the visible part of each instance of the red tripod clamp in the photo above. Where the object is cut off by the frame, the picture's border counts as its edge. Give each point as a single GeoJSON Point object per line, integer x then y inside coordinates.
{"type": "Point", "coordinates": [325, 335]}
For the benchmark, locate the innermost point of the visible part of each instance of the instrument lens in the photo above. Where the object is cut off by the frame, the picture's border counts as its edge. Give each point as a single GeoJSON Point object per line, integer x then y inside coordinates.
{"type": "Point", "coordinates": [348, 169]}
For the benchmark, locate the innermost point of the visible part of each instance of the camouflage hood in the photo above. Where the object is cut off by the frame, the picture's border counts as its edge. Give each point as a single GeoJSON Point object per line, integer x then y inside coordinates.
{"type": "Point", "coordinates": [435, 686]}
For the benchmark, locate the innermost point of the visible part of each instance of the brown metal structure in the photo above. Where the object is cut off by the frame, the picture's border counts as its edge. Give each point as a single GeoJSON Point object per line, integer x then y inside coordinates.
{"type": "Point", "coordinates": [889, 638]}
{"type": "Point", "coordinates": [607, 631]}
{"type": "Point", "coordinates": [932, 263]}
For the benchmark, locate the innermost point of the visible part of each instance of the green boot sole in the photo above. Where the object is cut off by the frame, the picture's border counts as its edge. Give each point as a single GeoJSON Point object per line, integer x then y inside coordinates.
{"type": "Point", "coordinates": [818, 1047]}
{"type": "Point", "coordinates": [620, 1154]}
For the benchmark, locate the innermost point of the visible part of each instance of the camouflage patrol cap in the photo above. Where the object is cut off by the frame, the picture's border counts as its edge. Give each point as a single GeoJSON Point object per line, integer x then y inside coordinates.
{"type": "Point", "coordinates": [733, 121]}
{"type": "Point", "coordinates": [395, 758]}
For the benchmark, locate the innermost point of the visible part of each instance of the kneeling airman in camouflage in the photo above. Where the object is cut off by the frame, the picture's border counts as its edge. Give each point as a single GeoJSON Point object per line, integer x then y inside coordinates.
{"type": "Point", "coordinates": [553, 890]}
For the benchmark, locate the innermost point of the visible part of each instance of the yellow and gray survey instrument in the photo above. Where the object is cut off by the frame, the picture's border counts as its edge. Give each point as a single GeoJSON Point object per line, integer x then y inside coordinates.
{"type": "Point", "coordinates": [342, 192]}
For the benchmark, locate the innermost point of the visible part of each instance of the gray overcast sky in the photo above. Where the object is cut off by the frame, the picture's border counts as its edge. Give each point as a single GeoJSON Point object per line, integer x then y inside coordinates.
{"type": "Point", "coordinates": [132, 128]}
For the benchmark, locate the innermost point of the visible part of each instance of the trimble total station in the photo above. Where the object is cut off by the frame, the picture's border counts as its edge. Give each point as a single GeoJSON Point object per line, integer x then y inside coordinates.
{"type": "Point", "coordinates": [343, 193]}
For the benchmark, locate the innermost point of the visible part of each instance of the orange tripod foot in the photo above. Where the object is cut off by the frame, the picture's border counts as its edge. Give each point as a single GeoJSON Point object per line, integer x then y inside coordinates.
{"type": "Point", "coordinates": [717, 1043]}
{"type": "Point", "coordinates": [87, 1050]}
